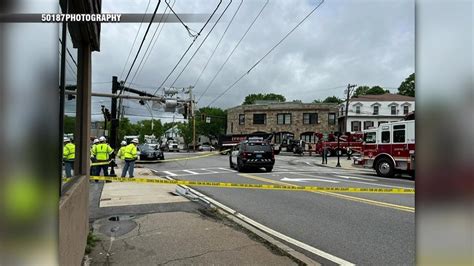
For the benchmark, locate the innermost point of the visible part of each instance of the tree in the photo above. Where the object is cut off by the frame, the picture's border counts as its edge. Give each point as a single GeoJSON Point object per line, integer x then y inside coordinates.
{"type": "Point", "coordinates": [407, 87]}
{"type": "Point", "coordinates": [377, 90]}
{"type": "Point", "coordinates": [144, 128]}
{"type": "Point", "coordinates": [217, 125]}
{"type": "Point", "coordinates": [186, 131]}
{"type": "Point", "coordinates": [126, 128]}
{"type": "Point", "coordinates": [252, 98]}
{"type": "Point", "coordinates": [297, 101]}
{"type": "Point", "coordinates": [69, 124]}
{"type": "Point", "coordinates": [317, 101]}
{"type": "Point", "coordinates": [361, 90]}
{"type": "Point", "coordinates": [366, 90]}
{"type": "Point", "coordinates": [332, 99]}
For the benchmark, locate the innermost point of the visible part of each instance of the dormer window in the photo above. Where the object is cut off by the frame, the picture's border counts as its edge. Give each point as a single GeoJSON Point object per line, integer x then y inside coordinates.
{"type": "Point", "coordinates": [357, 107]}
{"type": "Point", "coordinates": [376, 110]}
{"type": "Point", "coordinates": [406, 109]}
{"type": "Point", "coordinates": [393, 110]}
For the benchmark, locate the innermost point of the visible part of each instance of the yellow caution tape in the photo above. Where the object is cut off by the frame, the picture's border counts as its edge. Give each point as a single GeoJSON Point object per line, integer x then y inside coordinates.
{"type": "Point", "coordinates": [256, 186]}
{"type": "Point", "coordinates": [101, 163]}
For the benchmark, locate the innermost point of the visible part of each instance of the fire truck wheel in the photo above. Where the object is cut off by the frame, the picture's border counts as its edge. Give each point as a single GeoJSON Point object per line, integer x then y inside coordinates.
{"type": "Point", "coordinates": [384, 167]}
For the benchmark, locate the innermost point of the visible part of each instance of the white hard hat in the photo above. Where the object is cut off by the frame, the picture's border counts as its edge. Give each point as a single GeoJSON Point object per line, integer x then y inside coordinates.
{"type": "Point", "coordinates": [135, 141]}
{"type": "Point", "coordinates": [66, 139]}
{"type": "Point", "coordinates": [102, 138]}
{"type": "Point", "coordinates": [123, 143]}
{"type": "Point", "coordinates": [96, 141]}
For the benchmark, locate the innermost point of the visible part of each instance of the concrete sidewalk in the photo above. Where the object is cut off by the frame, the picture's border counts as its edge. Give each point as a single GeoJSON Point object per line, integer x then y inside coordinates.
{"type": "Point", "coordinates": [200, 236]}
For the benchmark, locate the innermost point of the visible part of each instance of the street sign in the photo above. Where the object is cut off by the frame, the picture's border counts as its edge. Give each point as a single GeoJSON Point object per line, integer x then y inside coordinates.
{"type": "Point", "coordinates": [208, 119]}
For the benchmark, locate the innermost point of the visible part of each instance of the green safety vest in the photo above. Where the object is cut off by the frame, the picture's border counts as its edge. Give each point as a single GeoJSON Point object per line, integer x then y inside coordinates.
{"type": "Point", "coordinates": [121, 153]}
{"type": "Point", "coordinates": [102, 151]}
{"type": "Point", "coordinates": [130, 152]}
{"type": "Point", "coordinates": [69, 151]}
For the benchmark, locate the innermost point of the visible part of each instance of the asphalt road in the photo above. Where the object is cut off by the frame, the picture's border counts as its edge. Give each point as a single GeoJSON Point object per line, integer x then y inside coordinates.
{"type": "Point", "coordinates": [374, 229]}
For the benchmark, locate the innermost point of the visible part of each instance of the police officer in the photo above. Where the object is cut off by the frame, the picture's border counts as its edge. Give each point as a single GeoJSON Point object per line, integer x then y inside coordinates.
{"type": "Point", "coordinates": [102, 152]}
{"type": "Point", "coordinates": [69, 153]}
{"type": "Point", "coordinates": [130, 157]}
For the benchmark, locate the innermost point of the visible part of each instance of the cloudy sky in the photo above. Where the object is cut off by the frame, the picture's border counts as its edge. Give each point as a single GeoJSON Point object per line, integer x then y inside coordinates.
{"type": "Point", "coordinates": [363, 42]}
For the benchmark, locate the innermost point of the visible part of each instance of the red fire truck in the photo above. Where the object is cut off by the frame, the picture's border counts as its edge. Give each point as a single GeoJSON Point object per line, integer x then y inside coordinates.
{"type": "Point", "coordinates": [390, 148]}
{"type": "Point", "coordinates": [347, 143]}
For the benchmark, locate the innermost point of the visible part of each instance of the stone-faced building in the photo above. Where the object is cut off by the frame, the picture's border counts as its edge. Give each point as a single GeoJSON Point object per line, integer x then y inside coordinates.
{"type": "Point", "coordinates": [285, 120]}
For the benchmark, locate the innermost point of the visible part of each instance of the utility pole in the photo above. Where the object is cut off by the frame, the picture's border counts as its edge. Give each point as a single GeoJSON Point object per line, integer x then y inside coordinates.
{"type": "Point", "coordinates": [349, 87]}
{"type": "Point", "coordinates": [193, 117]}
{"type": "Point", "coordinates": [114, 122]}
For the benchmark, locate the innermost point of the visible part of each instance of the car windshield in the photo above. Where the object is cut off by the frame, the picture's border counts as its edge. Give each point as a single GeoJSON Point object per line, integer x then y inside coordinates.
{"type": "Point", "coordinates": [257, 147]}
{"type": "Point", "coordinates": [146, 148]}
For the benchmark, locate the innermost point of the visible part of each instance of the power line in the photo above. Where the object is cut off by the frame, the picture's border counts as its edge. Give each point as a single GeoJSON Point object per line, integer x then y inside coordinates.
{"type": "Point", "coordinates": [141, 44]}
{"type": "Point", "coordinates": [218, 43]}
{"type": "Point", "coordinates": [233, 50]}
{"type": "Point", "coordinates": [260, 60]}
{"type": "Point", "coordinates": [153, 40]}
{"type": "Point", "coordinates": [182, 23]}
{"type": "Point", "coordinates": [184, 54]}
{"type": "Point", "coordinates": [69, 53]}
{"type": "Point", "coordinates": [204, 40]}
{"type": "Point", "coordinates": [133, 44]}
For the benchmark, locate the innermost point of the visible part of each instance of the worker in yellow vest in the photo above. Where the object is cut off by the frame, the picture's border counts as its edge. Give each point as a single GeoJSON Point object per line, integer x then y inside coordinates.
{"type": "Point", "coordinates": [69, 153]}
{"type": "Point", "coordinates": [121, 152]}
{"type": "Point", "coordinates": [102, 152]}
{"type": "Point", "coordinates": [93, 169]}
{"type": "Point", "coordinates": [130, 157]}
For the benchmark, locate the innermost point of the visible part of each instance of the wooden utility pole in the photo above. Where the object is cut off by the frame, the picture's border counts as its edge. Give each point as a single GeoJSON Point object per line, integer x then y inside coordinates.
{"type": "Point", "coordinates": [349, 87]}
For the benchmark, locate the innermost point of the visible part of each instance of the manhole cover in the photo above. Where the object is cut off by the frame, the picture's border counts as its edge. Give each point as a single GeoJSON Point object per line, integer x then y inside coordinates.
{"type": "Point", "coordinates": [118, 225]}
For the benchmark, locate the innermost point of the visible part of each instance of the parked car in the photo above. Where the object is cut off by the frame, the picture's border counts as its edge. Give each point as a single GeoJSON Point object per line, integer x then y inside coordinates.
{"type": "Point", "coordinates": [252, 153]}
{"type": "Point", "coordinates": [206, 148]}
{"type": "Point", "coordinates": [150, 152]}
{"type": "Point", "coordinates": [172, 146]}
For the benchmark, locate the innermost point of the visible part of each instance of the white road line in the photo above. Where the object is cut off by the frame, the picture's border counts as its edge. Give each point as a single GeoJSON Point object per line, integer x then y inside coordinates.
{"type": "Point", "coordinates": [307, 179]}
{"type": "Point", "coordinates": [357, 178]}
{"type": "Point", "coordinates": [209, 171]}
{"type": "Point", "coordinates": [228, 170]}
{"type": "Point", "coordinates": [169, 173]}
{"type": "Point", "coordinates": [358, 182]}
{"type": "Point", "coordinates": [190, 172]}
{"type": "Point", "coordinates": [272, 232]}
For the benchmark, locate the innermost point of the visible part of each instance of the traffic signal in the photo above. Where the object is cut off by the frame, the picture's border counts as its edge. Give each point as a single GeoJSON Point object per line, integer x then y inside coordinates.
{"type": "Point", "coordinates": [185, 111]}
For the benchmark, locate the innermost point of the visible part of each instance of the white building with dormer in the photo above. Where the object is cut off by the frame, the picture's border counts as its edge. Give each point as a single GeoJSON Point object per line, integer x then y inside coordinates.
{"type": "Point", "coordinates": [368, 111]}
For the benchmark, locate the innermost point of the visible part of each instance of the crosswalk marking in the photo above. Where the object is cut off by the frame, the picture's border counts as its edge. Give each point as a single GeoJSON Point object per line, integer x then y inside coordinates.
{"type": "Point", "coordinates": [169, 173]}
{"type": "Point", "coordinates": [190, 172]}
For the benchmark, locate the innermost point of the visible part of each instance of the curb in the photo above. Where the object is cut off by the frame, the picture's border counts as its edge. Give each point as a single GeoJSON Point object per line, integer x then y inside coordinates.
{"type": "Point", "coordinates": [234, 216]}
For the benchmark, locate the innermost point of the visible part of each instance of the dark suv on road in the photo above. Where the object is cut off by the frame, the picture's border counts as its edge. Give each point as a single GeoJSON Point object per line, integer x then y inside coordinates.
{"type": "Point", "coordinates": [252, 154]}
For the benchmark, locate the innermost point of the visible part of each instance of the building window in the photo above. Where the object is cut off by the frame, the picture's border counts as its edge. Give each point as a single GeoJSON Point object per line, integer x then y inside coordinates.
{"type": "Point", "coordinates": [310, 118]}
{"type": "Point", "coordinates": [357, 109]}
{"type": "Point", "coordinates": [399, 134]}
{"type": "Point", "coordinates": [231, 127]}
{"type": "Point", "coordinates": [308, 138]}
{"type": "Point", "coordinates": [332, 118]}
{"type": "Point", "coordinates": [405, 109]}
{"type": "Point", "coordinates": [355, 126]}
{"type": "Point", "coordinates": [393, 110]}
{"type": "Point", "coordinates": [283, 119]}
{"type": "Point", "coordinates": [242, 119]}
{"type": "Point", "coordinates": [385, 136]}
{"type": "Point", "coordinates": [368, 124]}
{"type": "Point", "coordinates": [376, 110]}
{"type": "Point", "coordinates": [259, 119]}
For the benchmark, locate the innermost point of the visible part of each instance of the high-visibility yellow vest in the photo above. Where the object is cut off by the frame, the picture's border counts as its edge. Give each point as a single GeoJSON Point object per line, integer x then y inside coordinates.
{"type": "Point", "coordinates": [92, 150]}
{"type": "Point", "coordinates": [121, 153]}
{"type": "Point", "coordinates": [69, 151]}
{"type": "Point", "coordinates": [102, 151]}
{"type": "Point", "coordinates": [130, 152]}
